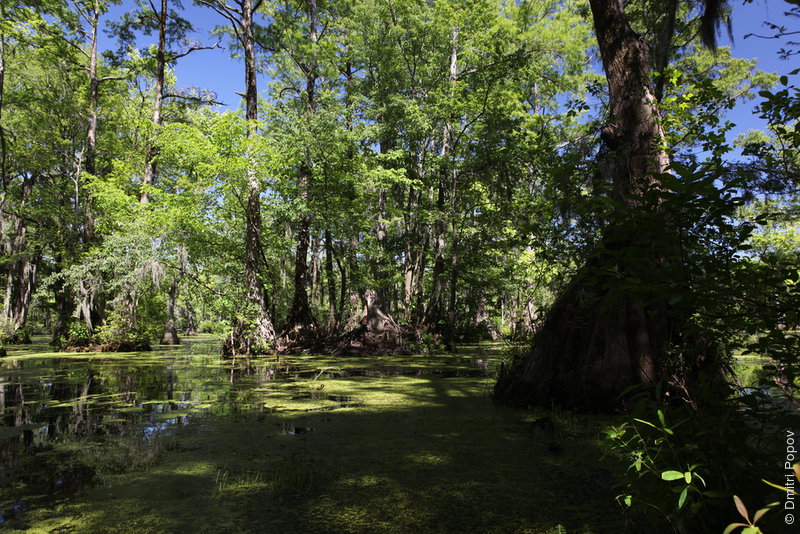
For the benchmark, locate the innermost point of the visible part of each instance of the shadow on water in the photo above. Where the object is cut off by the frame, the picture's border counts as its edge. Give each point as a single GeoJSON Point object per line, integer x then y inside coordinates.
{"type": "Point", "coordinates": [179, 441]}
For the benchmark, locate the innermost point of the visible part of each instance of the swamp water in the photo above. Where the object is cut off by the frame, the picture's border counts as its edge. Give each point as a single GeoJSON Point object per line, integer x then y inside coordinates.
{"type": "Point", "coordinates": [178, 440]}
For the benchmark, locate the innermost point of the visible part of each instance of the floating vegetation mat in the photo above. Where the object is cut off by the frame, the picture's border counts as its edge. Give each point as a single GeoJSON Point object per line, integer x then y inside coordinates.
{"type": "Point", "coordinates": [180, 440]}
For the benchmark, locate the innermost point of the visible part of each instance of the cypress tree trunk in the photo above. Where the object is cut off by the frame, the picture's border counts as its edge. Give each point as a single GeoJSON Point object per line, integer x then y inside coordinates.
{"type": "Point", "coordinates": [158, 98]}
{"type": "Point", "coordinates": [259, 334]}
{"type": "Point", "coordinates": [599, 338]}
{"type": "Point", "coordinates": [170, 336]}
{"type": "Point", "coordinates": [64, 306]}
{"type": "Point", "coordinates": [3, 141]}
{"type": "Point", "coordinates": [91, 132]}
{"type": "Point", "coordinates": [89, 310]}
{"type": "Point", "coordinates": [21, 274]}
{"type": "Point", "coordinates": [301, 325]}
{"type": "Point", "coordinates": [333, 314]}
{"type": "Point", "coordinates": [435, 318]}
{"type": "Point", "coordinates": [264, 332]}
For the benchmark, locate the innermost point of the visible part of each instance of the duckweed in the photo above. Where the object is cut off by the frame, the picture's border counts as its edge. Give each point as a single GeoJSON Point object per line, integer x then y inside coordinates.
{"type": "Point", "coordinates": [181, 441]}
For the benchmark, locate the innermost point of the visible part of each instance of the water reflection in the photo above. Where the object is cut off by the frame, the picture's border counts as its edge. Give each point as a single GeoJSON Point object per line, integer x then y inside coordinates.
{"type": "Point", "coordinates": [71, 420]}
{"type": "Point", "coordinates": [66, 420]}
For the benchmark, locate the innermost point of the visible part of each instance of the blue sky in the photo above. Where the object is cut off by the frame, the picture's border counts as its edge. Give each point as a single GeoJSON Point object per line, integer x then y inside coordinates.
{"type": "Point", "coordinates": [749, 18]}
{"type": "Point", "coordinates": [216, 70]}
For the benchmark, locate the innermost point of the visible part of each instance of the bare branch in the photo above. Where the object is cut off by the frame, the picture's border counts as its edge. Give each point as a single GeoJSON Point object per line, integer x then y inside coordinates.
{"type": "Point", "coordinates": [285, 89]}
{"type": "Point", "coordinates": [110, 78]}
{"type": "Point", "coordinates": [82, 13]}
{"type": "Point", "coordinates": [223, 9]}
{"type": "Point", "coordinates": [324, 29]}
{"type": "Point", "coordinates": [778, 36]}
{"type": "Point", "coordinates": [226, 11]}
{"type": "Point", "coordinates": [193, 49]}
{"type": "Point", "coordinates": [205, 99]}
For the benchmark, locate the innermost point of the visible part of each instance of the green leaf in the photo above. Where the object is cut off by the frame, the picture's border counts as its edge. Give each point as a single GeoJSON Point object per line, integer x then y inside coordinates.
{"type": "Point", "coordinates": [776, 486]}
{"type": "Point", "coordinates": [682, 498]}
{"type": "Point", "coordinates": [688, 477]}
{"type": "Point", "coordinates": [733, 526]}
{"type": "Point", "coordinates": [758, 515]}
{"type": "Point", "coordinates": [648, 423]}
{"type": "Point", "coordinates": [671, 475]}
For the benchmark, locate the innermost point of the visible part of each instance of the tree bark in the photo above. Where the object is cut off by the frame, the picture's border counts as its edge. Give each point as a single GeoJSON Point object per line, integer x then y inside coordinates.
{"type": "Point", "coordinates": [300, 323]}
{"type": "Point", "coordinates": [415, 250]}
{"type": "Point", "coordinates": [434, 314]}
{"type": "Point", "coordinates": [315, 273]}
{"type": "Point", "coordinates": [450, 331]}
{"type": "Point", "coordinates": [259, 335]}
{"type": "Point", "coordinates": [330, 279]}
{"type": "Point", "coordinates": [3, 141]}
{"type": "Point", "coordinates": [170, 336]}
{"type": "Point", "coordinates": [91, 132]}
{"type": "Point", "coordinates": [379, 260]}
{"type": "Point", "coordinates": [21, 274]}
{"type": "Point", "coordinates": [265, 333]}
{"type": "Point", "coordinates": [599, 338]}
{"type": "Point", "coordinates": [301, 320]}
{"type": "Point", "coordinates": [88, 310]}
{"type": "Point", "coordinates": [158, 97]}
{"type": "Point", "coordinates": [64, 305]}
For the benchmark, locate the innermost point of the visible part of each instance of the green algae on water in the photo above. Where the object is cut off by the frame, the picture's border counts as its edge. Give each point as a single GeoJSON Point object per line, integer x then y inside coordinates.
{"type": "Point", "coordinates": [181, 441]}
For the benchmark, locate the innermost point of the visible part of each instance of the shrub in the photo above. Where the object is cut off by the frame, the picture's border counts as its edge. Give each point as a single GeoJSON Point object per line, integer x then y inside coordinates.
{"type": "Point", "coordinates": [78, 334]}
{"type": "Point", "coordinates": [117, 332]}
{"type": "Point", "coordinates": [686, 457]}
{"type": "Point", "coordinates": [208, 326]}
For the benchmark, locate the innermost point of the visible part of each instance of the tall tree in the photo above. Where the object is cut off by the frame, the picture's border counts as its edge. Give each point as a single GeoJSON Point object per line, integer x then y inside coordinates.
{"type": "Point", "coordinates": [249, 338]}
{"type": "Point", "coordinates": [172, 31]}
{"type": "Point", "coordinates": [608, 330]}
{"type": "Point", "coordinates": [34, 139]}
{"type": "Point", "coordinates": [294, 41]}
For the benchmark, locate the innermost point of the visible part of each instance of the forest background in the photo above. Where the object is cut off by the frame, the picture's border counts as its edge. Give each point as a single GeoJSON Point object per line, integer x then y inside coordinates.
{"type": "Point", "coordinates": [410, 175]}
{"type": "Point", "coordinates": [439, 155]}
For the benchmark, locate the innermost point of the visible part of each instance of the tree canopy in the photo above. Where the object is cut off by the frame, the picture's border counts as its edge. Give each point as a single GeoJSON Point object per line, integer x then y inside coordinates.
{"type": "Point", "coordinates": [435, 172]}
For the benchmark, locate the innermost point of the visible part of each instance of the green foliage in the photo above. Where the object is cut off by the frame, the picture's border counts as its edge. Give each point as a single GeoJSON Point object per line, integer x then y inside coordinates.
{"type": "Point", "coordinates": [769, 277]}
{"type": "Point", "coordinates": [78, 335]}
{"type": "Point", "coordinates": [12, 334]}
{"type": "Point", "coordinates": [212, 327]}
{"type": "Point", "coordinates": [117, 330]}
{"type": "Point", "coordinates": [685, 459]}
